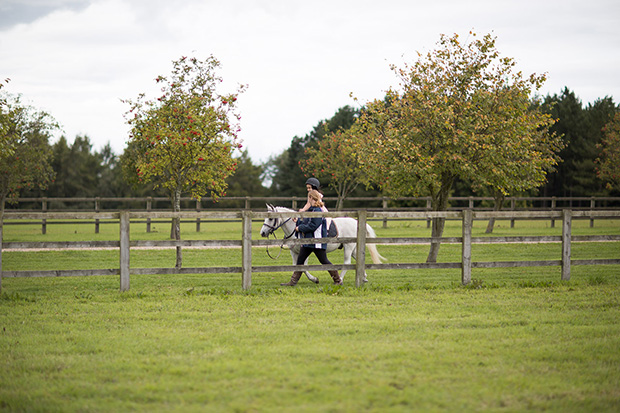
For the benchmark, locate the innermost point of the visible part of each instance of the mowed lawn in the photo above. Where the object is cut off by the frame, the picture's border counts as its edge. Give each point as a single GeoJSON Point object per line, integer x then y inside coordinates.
{"type": "Point", "coordinates": [416, 340]}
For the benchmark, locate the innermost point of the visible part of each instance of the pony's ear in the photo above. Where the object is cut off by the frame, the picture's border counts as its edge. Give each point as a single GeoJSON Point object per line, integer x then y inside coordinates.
{"type": "Point", "coordinates": [270, 207]}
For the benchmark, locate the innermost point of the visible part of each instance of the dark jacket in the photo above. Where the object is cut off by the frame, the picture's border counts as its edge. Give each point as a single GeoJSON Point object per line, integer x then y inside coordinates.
{"type": "Point", "coordinates": [313, 228]}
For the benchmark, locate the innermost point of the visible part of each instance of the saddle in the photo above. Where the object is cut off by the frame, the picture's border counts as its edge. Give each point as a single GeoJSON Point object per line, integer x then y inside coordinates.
{"type": "Point", "coordinates": [332, 232]}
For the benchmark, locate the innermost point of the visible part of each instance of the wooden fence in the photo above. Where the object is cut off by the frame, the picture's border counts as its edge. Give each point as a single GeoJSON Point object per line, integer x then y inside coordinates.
{"type": "Point", "coordinates": [97, 204]}
{"type": "Point", "coordinates": [466, 264]}
{"type": "Point", "coordinates": [384, 204]}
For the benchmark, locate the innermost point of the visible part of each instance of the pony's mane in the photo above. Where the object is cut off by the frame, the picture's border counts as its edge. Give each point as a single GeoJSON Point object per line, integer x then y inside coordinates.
{"type": "Point", "coordinates": [282, 209]}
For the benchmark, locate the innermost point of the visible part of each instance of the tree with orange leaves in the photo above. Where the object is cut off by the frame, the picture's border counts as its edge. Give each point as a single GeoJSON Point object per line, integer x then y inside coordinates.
{"type": "Point", "coordinates": [461, 112]}
{"type": "Point", "coordinates": [334, 160]}
{"type": "Point", "coordinates": [183, 141]}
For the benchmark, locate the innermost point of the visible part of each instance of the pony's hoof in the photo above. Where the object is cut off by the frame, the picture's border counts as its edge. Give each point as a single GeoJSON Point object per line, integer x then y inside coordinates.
{"type": "Point", "coordinates": [316, 281]}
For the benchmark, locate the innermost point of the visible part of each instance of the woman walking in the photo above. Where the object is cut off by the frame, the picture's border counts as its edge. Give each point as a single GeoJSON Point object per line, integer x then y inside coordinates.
{"type": "Point", "coordinates": [313, 228]}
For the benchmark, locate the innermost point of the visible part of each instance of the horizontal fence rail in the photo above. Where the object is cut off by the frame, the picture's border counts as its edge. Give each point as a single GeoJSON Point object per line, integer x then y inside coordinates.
{"type": "Point", "coordinates": [150, 205]}
{"type": "Point", "coordinates": [125, 219]}
{"type": "Point", "coordinates": [94, 204]}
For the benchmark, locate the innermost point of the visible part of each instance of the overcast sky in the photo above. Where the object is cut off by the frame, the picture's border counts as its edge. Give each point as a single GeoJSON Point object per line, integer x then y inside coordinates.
{"type": "Point", "coordinates": [300, 59]}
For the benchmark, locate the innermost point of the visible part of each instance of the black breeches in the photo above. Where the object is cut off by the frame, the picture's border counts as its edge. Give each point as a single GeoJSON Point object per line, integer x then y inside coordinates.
{"type": "Point", "coordinates": [305, 253]}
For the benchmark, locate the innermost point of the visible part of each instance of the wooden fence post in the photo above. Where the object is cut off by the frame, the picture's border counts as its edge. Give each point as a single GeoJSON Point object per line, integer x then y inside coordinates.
{"type": "Point", "coordinates": [566, 241]}
{"type": "Point", "coordinates": [466, 247]}
{"type": "Point", "coordinates": [513, 207]}
{"type": "Point", "coordinates": [97, 206]}
{"type": "Point", "coordinates": [124, 250]}
{"type": "Point", "coordinates": [360, 262]}
{"type": "Point", "coordinates": [553, 204]}
{"type": "Point", "coordinates": [149, 205]}
{"type": "Point", "coordinates": [44, 221]}
{"type": "Point", "coordinates": [384, 205]}
{"type": "Point", "coordinates": [198, 206]}
{"type": "Point", "coordinates": [246, 250]}
{"type": "Point", "coordinates": [592, 205]}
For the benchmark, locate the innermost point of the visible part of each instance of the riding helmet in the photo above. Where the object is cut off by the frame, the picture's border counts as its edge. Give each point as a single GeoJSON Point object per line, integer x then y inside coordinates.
{"type": "Point", "coordinates": [313, 182]}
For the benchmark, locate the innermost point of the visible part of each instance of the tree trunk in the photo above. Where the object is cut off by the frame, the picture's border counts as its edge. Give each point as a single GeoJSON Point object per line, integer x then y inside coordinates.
{"type": "Point", "coordinates": [440, 203]}
{"type": "Point", "coordinates": [176, 226]}
{"type": "Point", "coordinates": [499, 202]}
{"type": "Point", "coordinates": [344, 189]}
{"type": "Point", "coordinates": [339, 203]}
{"type": "Point", "coordinates": [341, 194]}
{"type": "Point", "coordinates": [437, 232]}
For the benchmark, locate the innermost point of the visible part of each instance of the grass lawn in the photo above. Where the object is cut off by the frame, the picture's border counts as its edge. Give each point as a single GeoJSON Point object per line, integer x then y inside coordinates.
{"type": "Point", "coordinates": [516, 339]}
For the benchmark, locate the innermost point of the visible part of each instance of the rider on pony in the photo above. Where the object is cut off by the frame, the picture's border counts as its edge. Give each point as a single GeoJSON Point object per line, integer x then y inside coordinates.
{"type": "Point", "coordinates": [314, 184]}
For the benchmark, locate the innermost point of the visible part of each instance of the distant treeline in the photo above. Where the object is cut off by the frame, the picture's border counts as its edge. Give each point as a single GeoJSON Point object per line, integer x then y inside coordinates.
{"type": "Point", "coordinates": [82, 171]}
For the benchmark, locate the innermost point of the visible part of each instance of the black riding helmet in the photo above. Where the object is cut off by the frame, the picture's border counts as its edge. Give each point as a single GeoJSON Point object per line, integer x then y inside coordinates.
{"type": "Point", "coordinates": [314, 183]}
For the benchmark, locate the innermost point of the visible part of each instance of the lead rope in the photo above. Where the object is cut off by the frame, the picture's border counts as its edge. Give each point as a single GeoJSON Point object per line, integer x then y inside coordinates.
{"type": "Point", "coordinates": [281, 246]}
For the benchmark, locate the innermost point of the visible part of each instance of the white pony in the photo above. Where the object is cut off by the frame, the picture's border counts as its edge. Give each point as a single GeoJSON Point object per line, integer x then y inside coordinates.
{"type": "Point", "coordinates": [347, 228]}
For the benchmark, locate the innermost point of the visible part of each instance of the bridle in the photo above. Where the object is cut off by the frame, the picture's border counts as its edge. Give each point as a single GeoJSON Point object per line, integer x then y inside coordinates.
{"type": "Point", "coordinates": [272, 230]}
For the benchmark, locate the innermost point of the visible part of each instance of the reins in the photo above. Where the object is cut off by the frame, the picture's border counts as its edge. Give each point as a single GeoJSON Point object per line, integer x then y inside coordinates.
{"type": "Point", "coordinates": [273, 231]}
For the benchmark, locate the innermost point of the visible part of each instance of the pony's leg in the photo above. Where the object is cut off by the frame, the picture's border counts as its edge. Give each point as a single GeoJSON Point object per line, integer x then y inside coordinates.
{"type": "Point", "coordinates": [310, 276]}
{"type": "Point", "coordinates": [348, 252]}
{"type": "Point", "coordinates": [354, 254]}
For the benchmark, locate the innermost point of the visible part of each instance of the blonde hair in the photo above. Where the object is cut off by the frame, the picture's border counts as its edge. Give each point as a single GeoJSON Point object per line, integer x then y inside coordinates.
{"type": "Point", "coordinates": [317, 196]}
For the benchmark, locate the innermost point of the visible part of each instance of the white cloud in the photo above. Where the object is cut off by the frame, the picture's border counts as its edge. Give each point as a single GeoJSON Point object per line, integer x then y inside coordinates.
{"type": "Point", "coordinates": [300, 59]}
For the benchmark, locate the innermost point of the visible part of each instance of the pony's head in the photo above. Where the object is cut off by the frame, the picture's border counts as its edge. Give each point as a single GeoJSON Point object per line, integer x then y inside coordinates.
{"type": "Point", "coordinates": [270, 224]}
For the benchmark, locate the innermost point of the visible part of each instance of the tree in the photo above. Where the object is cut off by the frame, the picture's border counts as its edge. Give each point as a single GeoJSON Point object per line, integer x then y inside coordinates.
{"type": "Point", "coordinates": [599, 115]}
{"type": "Point", "coordinates": [571, 126]}
{"type": "Point", "coordinates": [334, 161]}
{"type": "Point", "coordinates": [462, 112]}
{"type": "Point", "coordinates": [183, 141]}
{"type": "Point", "coordinates": [521, 165]}
{"type": "Point", "coordinates": [608, 163]}
{"type": "Point", "coordinates": [24, 151]}
{"type": "Point", "coordinates": [286, 176]}
{"type": "Point", "coordinates": [343, 119]}
{"type": "Point", "coordinates": [6, 146]}
{"type": "Point", "coordinates": [285, 169]}
{"type": "Point", "coordinates": [78, 169]}
{"type": "Point", "coordinates": [111, 182]}
{"type": "Point", "coordinates": [25, 158]}
{"type": "Point", "coordinates": [580, 129]}
{"type": "Point", "coordinates": [247, 178]}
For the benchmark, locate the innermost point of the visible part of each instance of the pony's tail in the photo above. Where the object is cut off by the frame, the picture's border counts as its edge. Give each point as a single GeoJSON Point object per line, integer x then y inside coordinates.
{"type": "Point", "coordinates": [374, 254]}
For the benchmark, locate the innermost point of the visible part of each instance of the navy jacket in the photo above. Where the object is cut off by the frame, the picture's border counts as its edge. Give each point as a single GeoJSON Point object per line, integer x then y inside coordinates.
{"type": "Point", "coordinates": [313, 228]}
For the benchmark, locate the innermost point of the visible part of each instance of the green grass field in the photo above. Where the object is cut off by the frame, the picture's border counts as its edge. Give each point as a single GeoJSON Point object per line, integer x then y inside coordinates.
{"type": "Point", "coordinates": [516, 339]}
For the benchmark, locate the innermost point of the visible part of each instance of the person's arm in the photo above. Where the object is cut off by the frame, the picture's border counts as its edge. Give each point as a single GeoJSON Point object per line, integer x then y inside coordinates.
{"type": "Point", "coordinates": [309, 225]}
{"type": "Point", "coordinates": [307, 206]}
